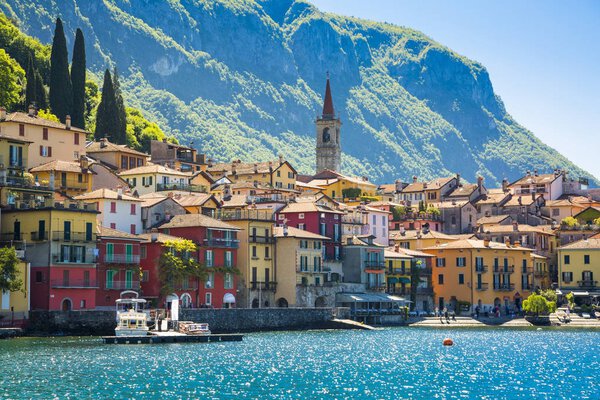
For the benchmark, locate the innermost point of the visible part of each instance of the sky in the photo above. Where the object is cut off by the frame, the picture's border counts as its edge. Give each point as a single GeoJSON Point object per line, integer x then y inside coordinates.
{"type": "Point", "coordinates": [543, 57]}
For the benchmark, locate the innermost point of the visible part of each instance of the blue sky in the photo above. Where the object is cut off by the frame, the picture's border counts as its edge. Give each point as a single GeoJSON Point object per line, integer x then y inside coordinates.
{"type": "Point", "coordinates": [543, 57]}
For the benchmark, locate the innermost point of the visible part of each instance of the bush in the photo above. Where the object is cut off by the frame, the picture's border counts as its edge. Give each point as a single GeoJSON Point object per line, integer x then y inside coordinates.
{"type": "Point", "coordinates": [570, 222]}
{"type": "Point", "coordinates": [351, 193]}
{"type": "Point", "coordinates": [549, 295]}
{"type": "Point", "coordinates": [537, 304]}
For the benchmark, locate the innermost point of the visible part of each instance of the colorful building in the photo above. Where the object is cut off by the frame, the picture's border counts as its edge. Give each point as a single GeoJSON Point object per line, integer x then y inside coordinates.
{"type": "Point", "coordinates": [364, 262]}
{"type": "Point", "coordinates": [341, 187]}
{"type": "Point", "coordinates": [71, 178]}
{"type": "Point", "coordinates": [579, 267]}
{"type": "Point", "coordinates": [117, 210]}
{"type": "Point", "coordinates": [176, 156]}
{"type": "Point", "coordinates": [14, 306]}
{"type": "Point", "coordinates": [277, 174]}
{"type": "Point", "coordinates": [118, 157]}
{"type": "Point", "coordinates": [155, 178]}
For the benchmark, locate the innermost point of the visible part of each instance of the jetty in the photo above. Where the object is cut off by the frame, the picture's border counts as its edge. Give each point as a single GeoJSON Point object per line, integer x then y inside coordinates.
{"type": "Point", "coordinates": [172, 337]}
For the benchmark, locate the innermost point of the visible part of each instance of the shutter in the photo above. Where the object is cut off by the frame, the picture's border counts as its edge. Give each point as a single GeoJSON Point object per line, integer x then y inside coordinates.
{"type": "Point", "coordinates": [49, 151]}
{"type": "Point", "coordinates": [41, 150]}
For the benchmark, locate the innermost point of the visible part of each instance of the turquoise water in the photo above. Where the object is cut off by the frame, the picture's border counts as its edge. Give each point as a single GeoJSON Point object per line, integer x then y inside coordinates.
{"type": "Point", "coordinates": [392, 363]}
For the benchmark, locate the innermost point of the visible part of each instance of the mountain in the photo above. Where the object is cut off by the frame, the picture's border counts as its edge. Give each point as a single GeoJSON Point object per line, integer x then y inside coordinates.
{"type": "Point", "coordinates": [245, 79]}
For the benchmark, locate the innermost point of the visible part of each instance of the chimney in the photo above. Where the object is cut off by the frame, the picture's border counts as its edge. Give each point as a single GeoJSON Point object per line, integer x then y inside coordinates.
{"type": "Point", "coordinates": [424, 185]}
{"type": "Point", "coordinates": [397, 248]}
{"type": "Point", "coordinates": [32, 111]}
{"type": "Point", "coordinates": [517, 244]}
{"type": "Point", "coordinates": [210, 162]}
{"type": "Point", "coordinates": [486, 242]}
{"type": "Point", "coordinates": [103, 143]}
{"type": "Point", "coordinates": [520, 200]}
{"type": "Point", "coordinates": [255, 168]}
{"type": "Point", "coordinates": [270, 166]}
{"type": "Point", "coordinates": [2, 113]}
{"type": "Point", "coordinates": [280, 159]}
{"type": "Point", "coordinates": [535, 172]}
{"type": "Point", "coordinates": [164, 140]}
{"type": "Point", "coordinates": [505, 185]}
{"type": "Point", "coordinates": [154, 235]}
{"type": "Point", "coordinates": [233, 165]}
{"type": "Point", "coordinates": [119, 192]}
{"type": "Point", "coordinates": [458, 179]}
{"type": "Point", "coordinates": [84, 163]}
{"type": "Point", "coordinates": [480, 181]}
{"type": "Point", "coordinates": [414, 179]}
{"type": "Point", "coordinates": [528, 173]}
{"type": "Point", "coordinates": [507, 242]}
{"type": "Point", "coordinates": [68, 122]}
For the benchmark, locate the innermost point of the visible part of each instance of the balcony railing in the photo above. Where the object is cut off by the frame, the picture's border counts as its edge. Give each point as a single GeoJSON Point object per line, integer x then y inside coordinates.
{"type": "Point", "coordinates": [418, 216]}
{"type": "Point", "coordinates": [180, 186]}
{"type": "Point", "coordinates": [122, 285]}
{"type": "Point", "coordinates": [482, 286]}
{"type": "Point", "coordinates": [65, 236]}
{"type": "Point", "coordinates": [221, 242]}
{"type": "Point", "coordinates": [374, 265]}
{"type": "Point", "coordinates": [262, 239]}
{"type": "Point", "coordinates": [310, 269]}
{"type": "Point", "coordinates": [267, 286]}
{"type": "Point", "coordinates": [507, 287]}
{"type": "Point", "coordinates": [121, 258]}
{"type": "Point", "coordinates": [481, 269]}
{"type": "Point", "coordinates": [539, 274]}
{"type": "Point", "coordinates": [20, 182]}
{"type": "Point", "coordinates": [376, 287]}
{"type": "Point", "coordinates": [504, 269]}
{"type": "Point", "coordinates": [10, 236]}
{"type": "Point", "coordinates": [424, 290]}
{"type": "Point", "coordinates": [39, 236]}
{"type": "Point", "coordinates": [73, 284]}
{"type": "Point", "coordinates": [237, 215]}
{"type": "Point", "coordinates": [59, 258]}
{"type": "Point", "coordinates": [587, 284]}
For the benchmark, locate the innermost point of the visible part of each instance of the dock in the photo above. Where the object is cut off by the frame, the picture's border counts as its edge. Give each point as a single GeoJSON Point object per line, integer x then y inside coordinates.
{"type": "Point", "coordinates": [172, 337]}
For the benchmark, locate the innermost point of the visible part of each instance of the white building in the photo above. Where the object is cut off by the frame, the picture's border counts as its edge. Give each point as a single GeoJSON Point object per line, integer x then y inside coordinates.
{"type": "Point", "coordinates": [117, 210]}
{"type": "Point", "coordinates": [155, 178]}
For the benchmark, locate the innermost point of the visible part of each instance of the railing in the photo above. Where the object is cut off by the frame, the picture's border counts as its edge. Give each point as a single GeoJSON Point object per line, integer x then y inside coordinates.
{"type": "Point", "coordinates": [481, 269]}
{"type": "Point", "coordinates": [482, 286]}
{"type": "Point", "coordinates": [189, 286]}
{"type": "Point", "coordinates": [400, 271]}
{"type": "Point", "coordinates": [376, 288]}
{"type": "Point", "coordinates": [235, 215]}
{"type": "Point", "coordinates": [587, 283]}
{"type": "Point", "coordinates": [10, 236]}
{"type": "Point", "coordinates": [73, 284]}
{"type": "Point", "coordinates": [374, 264]}
{"type": "Point", "coordinates": [505, 287]}
{"type": "Point", "coordinates": [121, 258]}
{"type": "Point", "coordinates": [424, 290]}
{"type": "Point", "coordinates": [310, 269]}
{"type": "Point", "coordinates": [539, 274]}
{"type": "Point", "coordinates": [417, 216]}
{"type": "Point", "coordinates": [326, 269]}
{"type": "Point", "coordinates": [262, 239]}
{"type": "Point", "coordinates": [122, 285]}
{"type": "Point", "coordinates": [221, 242]}
{"type": "Point", "coordinates": [527, 270]}
{"type": "Point", "coordinates": [39, 236]}
{"type": "Point", "coordinates": [58, 258]}
{"type": "Point", "coordinates": [70, 184]}
{"type": "Point", "coordinates": [528, 287]}
{"type": "Point", "coordinates": [66, 236]}
{"type": "Point", "coordinates": [504, 269]}
{"type": "Point", "coordinates": [180, 186]}
{"type": "Point", "coordinates": [21, 182]}
{"type": "Point", "coordinates": [268, 286]}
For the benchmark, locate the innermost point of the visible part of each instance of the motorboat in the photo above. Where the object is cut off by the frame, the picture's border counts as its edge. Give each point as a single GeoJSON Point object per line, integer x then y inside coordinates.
{"type": "Point", "coordinates": [131, 318]}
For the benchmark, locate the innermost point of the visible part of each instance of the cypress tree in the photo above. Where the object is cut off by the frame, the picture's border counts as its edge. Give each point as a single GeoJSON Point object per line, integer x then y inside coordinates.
{"type": "Point", "coordinates": [61, 92]}
{"type": "Point", "coordinates": [31, 87]}
{"type": "Point", "coordinates": [122, 114]}
{"type": "Point", "coordinates": [78, 81]}
{"type": "Point", "coordinates": [41, 96]}
{"type": "Point", "coordinates": [107, 119]}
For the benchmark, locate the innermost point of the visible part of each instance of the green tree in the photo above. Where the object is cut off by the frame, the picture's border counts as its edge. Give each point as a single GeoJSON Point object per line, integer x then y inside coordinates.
{"type": "Point", "coordinates": [9, 281]}
{"type": "Point", "coordinates": [537, 304]}
{"type": "Point", "coordinates": [570, 222]}
{"type": "Point", "coordinates": [107, 120]}
{"type": "Point", "coordinates": [61, 91]}
{"type": "Point", "coordinates": [12, 78]}
{"type": "Point", "coordinates": [41, 95]}
{"type": "Point", "coordinates": [92, 99]}
{"type": "Point", "coordinates": [121, 113]}
{"type": "Point", "coordinates": [140, 131]}
{"type": "Point", "coordinates": [78, 81]}
{"type": "Point", "coordinates": [30, 88]}
{"type": "Point", "coordinates": [46, 114]}
{"type": "Point", "coordinates": [177, 263]}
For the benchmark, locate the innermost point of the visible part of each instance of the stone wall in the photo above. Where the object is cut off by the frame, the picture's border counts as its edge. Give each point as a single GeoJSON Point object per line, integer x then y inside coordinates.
{"type": "Point", "coordinates": [220, 320]}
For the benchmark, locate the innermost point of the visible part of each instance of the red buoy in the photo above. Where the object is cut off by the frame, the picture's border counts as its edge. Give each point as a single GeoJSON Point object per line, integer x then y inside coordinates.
{"type": "Point", "coordinates": [448, 342]}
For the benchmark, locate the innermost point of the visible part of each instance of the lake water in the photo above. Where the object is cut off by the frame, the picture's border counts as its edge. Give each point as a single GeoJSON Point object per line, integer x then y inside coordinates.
{"type": "Point", "coordinates": [393, 363]}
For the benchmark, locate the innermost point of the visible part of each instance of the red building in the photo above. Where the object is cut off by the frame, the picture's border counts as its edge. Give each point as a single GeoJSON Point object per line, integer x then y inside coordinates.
{"type": "Point", "coordinates": [118, 267]}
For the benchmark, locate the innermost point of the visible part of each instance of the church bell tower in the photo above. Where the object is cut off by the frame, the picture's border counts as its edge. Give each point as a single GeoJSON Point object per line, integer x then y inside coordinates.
{"type": "Point", "coordinates": [329, 148]}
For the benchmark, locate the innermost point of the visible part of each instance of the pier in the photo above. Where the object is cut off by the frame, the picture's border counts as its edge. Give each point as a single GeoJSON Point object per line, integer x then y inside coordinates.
{"type": "Point", "coordinates": [172, 337]}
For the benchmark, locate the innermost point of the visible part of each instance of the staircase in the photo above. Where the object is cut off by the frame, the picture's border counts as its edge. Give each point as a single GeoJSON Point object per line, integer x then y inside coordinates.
{"type": "Point", "coordinates": [576, 319]}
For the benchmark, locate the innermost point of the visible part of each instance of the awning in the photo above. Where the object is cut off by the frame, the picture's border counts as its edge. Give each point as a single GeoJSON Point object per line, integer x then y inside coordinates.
{"type": "Point", "coordinates": [229, 298]}
{"type": "Point", "coordinates": [374, 271]}
{"type": "Point", "coordinates": [368, 298]}
{"type": "Point", "coordinates": [404, 279]}
{"type": "Point", "coordinates": [392, 281]}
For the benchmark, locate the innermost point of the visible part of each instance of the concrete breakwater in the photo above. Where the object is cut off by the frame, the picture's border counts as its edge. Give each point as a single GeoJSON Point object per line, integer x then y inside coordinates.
{"type": "Point", "coordinates": [233, 320]}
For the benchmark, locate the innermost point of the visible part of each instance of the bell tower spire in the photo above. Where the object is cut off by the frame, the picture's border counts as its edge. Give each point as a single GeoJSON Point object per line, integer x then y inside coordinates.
{"type": "Point", "coordinates": [328, 135]}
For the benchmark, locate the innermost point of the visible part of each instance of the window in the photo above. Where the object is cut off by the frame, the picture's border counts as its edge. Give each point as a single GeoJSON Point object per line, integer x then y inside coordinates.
{"type": "Point", "coordinates": [39, 276]}
{"type": "Point", "coordinates": [131, 162]}
{"type": "Point", "coordinates": [304, 244]}
{"type": "Point", "coordinates": [21, 130]}
{"type": "Point", "coordinates": [567, 277]}
{"type": "Point", "coordinates": [301, 216]}
{"type": "Point", "coordinates": [145, 276]}
{"type": "Point", "coordinates": [317, 245]}
{"type": "Point", "coordinates": [555, 212]}
{"type": "Point", "coordinates": [228, 259]}
{"type": "Point", "coordinates": [374, 220]}
{"type": "Point", "coordinates": [317, 281]}
{"type": "Point", "coordinates": [45, 133]}
{"type": "Point", "coordinates": [303, 263]}
{"type": "Point", "coordinates": [228, 281]}
{"type": "Point", "coordinates": [208, 299]}
{"type": "Point", "coordinates": [440, 279]}
{"type": "Point", "coordinates": [322, 228]}
{"type": "Point", "coordinates": [113, 207]}
{"type": "Point", "coordinates": [210, 281]}
{"type": "Point", "coordinates": [278, 174]}
{"type": "Point", "coordinates": [75, 138]}
{"type": "Point", "coordinates": [281, 217]}
{"type": "Point", "coordinates": [79, 178]}
{"type": "Point", "coordinates": [567, 259]}
{"type": "Point", "coordinates": [132, 211]}
{"type": "Point", "coordinates": [132, 229]}
{"type": "Point", "coordinates": [461, 279]}
{"type": "Point", "coordinates": [82, 304]}
{"type": "Point", "coordinates": [440, 262]}
{"type": "Point", "coordinates": [317, 264]}
{"type": "Point", "coordinates": [302, 226]}
{"type": "Point", "coordinates": [113, 225]}
{"type": "Point", "coordinates": [110, 278]}
{"type": "Point", "coordinates": [124, 162]}
{"type": "Point", "coordinates": [45, 151]}
{"type": "Point", "coordinates": [75, 155]}
{"type": "Point", "coordinates": [461, 261]}
{"type": "Point", "coordinates": [209, 258]}
{"type": "Point", "coordinates": [586, 258]}
{"type": "Point", "coordinates": [267, 255]}
{"type": "Point", "coordinates": [254, 252]}
{"type": "Point", "coordinates": [140, 162]}
{"type": "Point", "coordinates": [383, 220]}
{"type": "Point", "coordinates": [143, 252]}
{"type": "Point", "coordinates": [110, 251]}
{"type": "Point", "coordinates": [453, 219]}
{"type": "Point", "coordinates": [149, 180]}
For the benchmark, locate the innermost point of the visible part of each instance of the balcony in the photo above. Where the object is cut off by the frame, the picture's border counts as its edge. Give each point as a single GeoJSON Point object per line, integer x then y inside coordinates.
{"type": "Point", "coordinates": [18, 181]}
{"type": "Point", "coordinates": [66, 236]}
{"type": "Point", "coordinates": [374, 265]}
{"type": "Point", "coordinates": [412, 216]}
{"type": "Point", "coordinates": [222, 242]}
{"type": "Point", "coordinates": [39, 236]}
{"type": "Point", "coordinates": [262, 239]}
{"type": "Point", "coordinates": [121, 258]}
{"type": "Point", "coordinates": [425, 290]}
{"type": "Point", "coordinates": [508, 269]}
{"type": "Point", "coordinates": [587, 284]}
{"type": "Point", "coordinates": [241, 215]}
{"type": "Point", "coordinates": [70, 184]}
{"type": "Point", "coordinates": [310, 269]}
{"type": "Point", "coordinates": [266, 286]}
{"type": "Point", "coordinates": [481, 269]}
{"type": "Point", "coordinates": [11, 236]}
{"type": "Point", "coordinates": [59, 258]}
{"type": "Point", "coordinates": [507, 287]}
{"type": "Point", "coordinates": [122, 285]}
{"type": "Point", "coordinates": [539, 274]}
{"type": "Point", "coordinates": [482, 286]}
{"type": "Point", "coordinates": [160, 187]}
{"type": "Point", "coordinates": [376, 287]}
{"type": "Point", "coordinates": [73, 284]}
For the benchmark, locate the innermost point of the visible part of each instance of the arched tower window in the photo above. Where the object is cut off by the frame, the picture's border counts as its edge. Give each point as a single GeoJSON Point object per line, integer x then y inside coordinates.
{"type": "Point", "coordinates": [326, 135]}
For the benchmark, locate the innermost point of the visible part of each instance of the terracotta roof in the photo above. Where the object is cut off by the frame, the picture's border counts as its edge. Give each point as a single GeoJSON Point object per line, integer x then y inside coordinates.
{"type": "Point", "coordinates": [328, 111]}
{"type": "Point", "coordinates": [534, 180]}
{"type": "Point", "coordinates": [414, 253]}
{"type": "Point", "coordinates": [62, 166]}
{"type": "Point", "coordinates": [387, 188]}
{"type": "Point", "coordinates": [384, 203]}
{"type": "Point", "coordinates": [297, 233]}
{"type": "Point", "coordinates": [193, 220]}
{"type": "Point", "coordinates": [393, 254]}
{"type": "Point", "coordinates": [236, 200]}
{"type": "Point", "coordinates": [413, 187]}
{"type": "Point", "coordinates": [475, 244]}
{"type": "Point", "coordinates": [520, 228]}
{"type": "Point", "coordinates": [153, 169]}
{"type": "Point", "coordinates": [194, 200]}
{"type": "Point", "coordinates": [450, 204]}
{"type": "Point", "coordinates": [25, 118]}
{"type": "Point", "coordinates": [333, 176]}
{"type": "Point", "coordinates": [492, 198]}
{"type": "Point", "coordinates": [106, 146]}
{"type": "Point", "coordinates": [412, 234]}
{"type": "Point", "coordinates": [106, 232]}
{"type": "Point", "coordinates": [591, 243]}
{"type": "Point", "coordinates": [526, 200]}
{"type": "Point", "coordinates": [494, 219]}
{"type": "Point", "coordinates": [247, 168]}
{"type": "Point", "coordinates": [160, 237]}
{"type": "Point", "coordinates": [151, 201]}
{"type": "Point", "coordinates": [14, 139]}
{"type": "Point", "coordinates": [358, 240]}
{"type": "Point", "coordinates": [307, 207]}
{"type": "Point", "coordinates": [105, 194]}
{"type": "Point", "coordinates": [307, 185]}
{"type": "Point", "coordinates": [463, 190]}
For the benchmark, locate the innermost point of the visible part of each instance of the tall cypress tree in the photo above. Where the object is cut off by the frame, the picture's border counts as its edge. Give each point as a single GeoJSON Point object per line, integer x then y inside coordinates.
{"type": "Point", "coordinates": [61, 92]}
{"type": "Point", "coordinates": [41, 96]}
{"type": "Point", "coordinates": [30, 88]}
{"type": "Point", "coordinates": [107, 119]}
{"type": "Point", "coordinates": [122, 114]}
{"type": "Point", "coordinates": [78, 81]}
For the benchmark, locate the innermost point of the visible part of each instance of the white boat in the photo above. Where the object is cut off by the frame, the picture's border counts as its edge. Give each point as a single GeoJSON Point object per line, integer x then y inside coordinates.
{"type": "Point", "coordinates": [131, 319]}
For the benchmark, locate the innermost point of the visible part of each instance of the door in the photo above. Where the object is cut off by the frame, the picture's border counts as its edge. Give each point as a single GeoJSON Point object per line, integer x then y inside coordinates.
{"type": "Point", "coordinates": [67, 230]}
{"type": "Point", "coordinates": [267, 278]}
{"type": "Point", "coordinates": [41, 230]}
{"type": "Point", "coordinates": [17, 230]}
{"type": "Point", "coordinates": [128, 253]}
{"type": "Point", "coordinates": [128, 279]}
{"type": "Point", "coordinates": [88, 231]}
{"type": "Point", "coordinates": [63, 179]}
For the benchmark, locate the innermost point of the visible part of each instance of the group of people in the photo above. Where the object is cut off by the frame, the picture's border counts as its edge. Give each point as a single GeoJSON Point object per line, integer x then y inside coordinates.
{"type": "Point", "coordinates": [445, 314]}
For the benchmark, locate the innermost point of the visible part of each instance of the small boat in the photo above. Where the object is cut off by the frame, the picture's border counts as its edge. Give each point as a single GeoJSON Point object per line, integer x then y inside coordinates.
{"type": "Point", "coordinates": [193, 328]}
{"type": "Point", "coordinates": [131, 319]}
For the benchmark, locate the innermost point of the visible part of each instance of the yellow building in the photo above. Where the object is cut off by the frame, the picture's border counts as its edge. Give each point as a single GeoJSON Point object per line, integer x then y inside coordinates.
{"type": "Point", "coordinates": [301, 274]}
{"type": "Point", "coordinates": [397, 276]}
{"type": "Point", "coordinates": [579, 266]}
{"type": "Point", "coordinates": [197, 203]}
{"type": "Point", "coordinates": [15, 305]}
{"type": "Point", "coordinates": [49, 140]}
{"type": "Point", "coordinates": [155, 178]}
{"type": "Point", "coordinates": [334, 185]}
{"type": "Point", "coordinates": [473, 273]}
{"type": "Point", "coordinates": [278, 174]}
{"type": "Point", "coordinates": [69, 177]}
{"type": "Point", "coordinates": [118, 157]}
{"type": "Point", "coordinates": [541, 273]}
{"type": "Point", "coordinates": [256, 255]}
{"type": "Point", "coordinates": [417, 239]}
